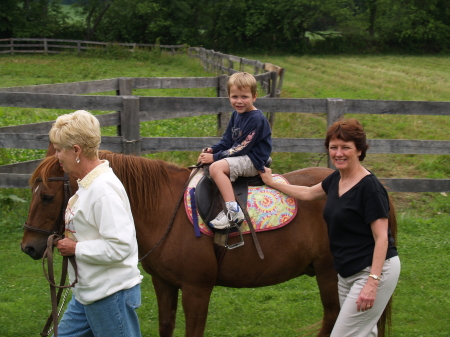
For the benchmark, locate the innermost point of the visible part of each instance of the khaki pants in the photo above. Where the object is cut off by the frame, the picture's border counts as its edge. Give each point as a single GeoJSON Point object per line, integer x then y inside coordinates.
{"type": "Point", "coordinates": [241, 166]}
{"type": "Point", "coordinates": [350, 322]}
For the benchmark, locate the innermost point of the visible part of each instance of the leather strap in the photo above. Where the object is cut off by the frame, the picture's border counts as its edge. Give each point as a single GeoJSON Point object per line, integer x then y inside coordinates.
{"type": "Point", "coordinates": [250, 225]}
{"type": "Point", "coordinates": [50, 276]}
{"type": "Point", "coordinates": [177, 206]}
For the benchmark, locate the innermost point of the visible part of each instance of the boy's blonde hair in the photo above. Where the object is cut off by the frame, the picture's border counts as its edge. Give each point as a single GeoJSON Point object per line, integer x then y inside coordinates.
{"type": "Point", "coordinates": [77, 128]}
{"type": "Point", "coordinates": [243, 80]}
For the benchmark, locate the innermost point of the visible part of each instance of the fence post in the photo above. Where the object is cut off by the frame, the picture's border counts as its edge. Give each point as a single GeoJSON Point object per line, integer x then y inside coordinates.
{"type": "Point", "coordinates": [130, 126]}
{"type": "Point", "coordinates": [11, 42]}
{"type": "Point", "coordinates": [335, 110]}
{"type": "Point", "coordinates": [223, 117]}
{"type": "Point", "coordinates": [280, 81]}
{"type": "Point", "coordinates": [45, 46]}
{"type": "Point", "coordinates": [124, 88]}
{"type": "Point", "coordinates": [272, 94]}
{"type": "Point", "coordinates": [230, 66]}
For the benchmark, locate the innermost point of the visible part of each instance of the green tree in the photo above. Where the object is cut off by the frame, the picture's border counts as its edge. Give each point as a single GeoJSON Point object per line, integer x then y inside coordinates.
{"type": "Point", "coordinates": [273, 24]}
{"type": "Point", "coordinates": [415, 25]}
{"type": "Point", "coordinates": [403, 25]}
{"type": "Point", "coordinates": [31, 18]}
{"type": "Point", "coordinates": [9, 17]}
{"type": "Point", "coordinates": [144, 21]}
{"type": "Point", "coordinates": [93, 11]}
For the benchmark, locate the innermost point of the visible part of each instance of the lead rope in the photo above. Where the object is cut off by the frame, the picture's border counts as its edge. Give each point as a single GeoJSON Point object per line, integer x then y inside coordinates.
{"type": "Point", "coordinates": [50, 276]}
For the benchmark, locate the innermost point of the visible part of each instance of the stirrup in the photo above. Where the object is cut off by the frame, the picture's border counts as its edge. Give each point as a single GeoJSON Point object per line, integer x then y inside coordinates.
{"type": "Point", "coordinates": [237, 244]}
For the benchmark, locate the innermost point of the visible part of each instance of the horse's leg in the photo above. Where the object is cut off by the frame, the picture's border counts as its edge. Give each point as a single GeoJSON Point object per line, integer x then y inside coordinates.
{"type": "Point", "coordinates": [167, 297]}
{"type": "Point", "coordinates": [326, 278]}
{"type": "Point", "coordinates": [195, 302]}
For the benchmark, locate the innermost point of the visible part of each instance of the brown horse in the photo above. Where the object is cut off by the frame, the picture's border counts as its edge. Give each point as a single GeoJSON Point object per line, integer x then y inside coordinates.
{"type": "Point", "coordinates": [182, 261]}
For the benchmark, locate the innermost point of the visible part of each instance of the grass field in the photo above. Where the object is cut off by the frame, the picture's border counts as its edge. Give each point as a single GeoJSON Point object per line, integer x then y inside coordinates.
{"type": "Point", "coordinates": [421, 306]}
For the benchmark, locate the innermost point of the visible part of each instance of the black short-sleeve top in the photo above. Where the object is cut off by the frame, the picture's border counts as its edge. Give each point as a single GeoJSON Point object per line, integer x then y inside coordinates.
{"type": "Point", "coordinates": [348, 218]}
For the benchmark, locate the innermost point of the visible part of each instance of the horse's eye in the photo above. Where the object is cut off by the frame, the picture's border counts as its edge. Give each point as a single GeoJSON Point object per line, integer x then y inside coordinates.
{"type": "Point", "coordinates": [46, 198]}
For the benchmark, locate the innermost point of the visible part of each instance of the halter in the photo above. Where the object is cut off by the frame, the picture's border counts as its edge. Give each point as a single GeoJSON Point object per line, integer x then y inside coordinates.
{"type": "Point", "coordinates": [58, 227]}
{"type": "Point", "coordinates": [53, 236]}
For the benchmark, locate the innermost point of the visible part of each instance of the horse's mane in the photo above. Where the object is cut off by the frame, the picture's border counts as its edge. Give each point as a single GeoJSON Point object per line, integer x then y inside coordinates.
{"type": "Point", "coordinates": [46, 169]}
{"type": "Point", "coordinates": [142, 178]}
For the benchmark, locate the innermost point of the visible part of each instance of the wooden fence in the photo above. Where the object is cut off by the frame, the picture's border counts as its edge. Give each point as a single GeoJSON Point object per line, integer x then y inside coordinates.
{"type": "Point", "coordinates": [55, 46]}
{"type": "Point", "coordinates": [131, 110]}
{"type": "Point", "coordinates": [212, 61]}
{"type": "Point", "coordinates": [220, 63]}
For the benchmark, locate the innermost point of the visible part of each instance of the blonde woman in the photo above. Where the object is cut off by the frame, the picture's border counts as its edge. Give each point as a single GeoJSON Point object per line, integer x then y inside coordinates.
{"type": "Point", "coordinates": [100, 233]}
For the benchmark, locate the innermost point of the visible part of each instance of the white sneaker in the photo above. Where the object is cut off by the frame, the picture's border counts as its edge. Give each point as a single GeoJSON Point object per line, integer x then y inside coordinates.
{"type": "Point", "coordinates": [234, 215]}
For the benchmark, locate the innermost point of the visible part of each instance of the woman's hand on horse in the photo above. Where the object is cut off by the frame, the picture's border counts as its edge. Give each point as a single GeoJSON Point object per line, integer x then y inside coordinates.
{"type": "Point", "coordinates": [66, 247]}
{"type": "Point", "coordinates": [266, 176]}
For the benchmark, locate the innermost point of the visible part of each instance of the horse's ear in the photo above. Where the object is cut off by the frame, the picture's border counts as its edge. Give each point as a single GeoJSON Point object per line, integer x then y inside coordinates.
{"type": "Point", "coordinates": [50, 150]}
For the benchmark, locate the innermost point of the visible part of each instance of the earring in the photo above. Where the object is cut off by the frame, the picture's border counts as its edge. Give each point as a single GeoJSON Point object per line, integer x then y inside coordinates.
{"type": "Point", "coordinates": [77, 160]}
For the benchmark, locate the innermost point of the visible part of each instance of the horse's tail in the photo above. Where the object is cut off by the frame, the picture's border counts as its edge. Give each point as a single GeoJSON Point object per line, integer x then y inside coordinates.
{"type": "Point", "coordinates": [384, 324]}
{"type": "Point", "coordinates": [392, 221]}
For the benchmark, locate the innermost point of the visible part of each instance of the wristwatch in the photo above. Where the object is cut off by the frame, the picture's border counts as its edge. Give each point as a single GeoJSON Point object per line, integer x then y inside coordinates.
{"type": "Point", "coordinates": [375, 277]}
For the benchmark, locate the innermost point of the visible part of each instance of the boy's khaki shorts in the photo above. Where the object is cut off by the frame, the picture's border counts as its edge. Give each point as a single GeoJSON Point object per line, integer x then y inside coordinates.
{"type": "Point", "coordinates": [241, 166]}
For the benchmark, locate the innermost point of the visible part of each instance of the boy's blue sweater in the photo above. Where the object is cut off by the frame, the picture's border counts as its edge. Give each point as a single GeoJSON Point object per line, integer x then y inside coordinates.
{"type": "Point", "coordinates": [249, 134]}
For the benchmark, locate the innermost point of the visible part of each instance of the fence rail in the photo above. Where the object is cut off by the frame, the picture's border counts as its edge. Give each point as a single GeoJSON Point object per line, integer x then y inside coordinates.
{"type": "Point", "coordinates": [221, 63]}
{"type": "Point", "coordinates": [55, 46]}
{"type": "Point", "coordinates": [129, 111]}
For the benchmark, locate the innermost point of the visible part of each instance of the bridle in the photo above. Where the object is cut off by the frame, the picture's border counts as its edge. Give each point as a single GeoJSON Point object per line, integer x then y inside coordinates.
{"type": "Point", "coordinates": [58, 226]}
{"type": "Point", "coordinates": [53, 236]}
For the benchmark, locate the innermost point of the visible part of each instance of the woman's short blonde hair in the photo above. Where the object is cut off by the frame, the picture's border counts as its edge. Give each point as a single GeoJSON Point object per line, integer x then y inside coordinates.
{"type": "Point", "coordinates": [243, 80]}
{"type": "Point", "coordinates": [77, 128]}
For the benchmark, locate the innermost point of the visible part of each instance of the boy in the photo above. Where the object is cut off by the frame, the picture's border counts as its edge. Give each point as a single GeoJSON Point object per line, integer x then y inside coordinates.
{"type": "Point", "coordinates": [244, 149]}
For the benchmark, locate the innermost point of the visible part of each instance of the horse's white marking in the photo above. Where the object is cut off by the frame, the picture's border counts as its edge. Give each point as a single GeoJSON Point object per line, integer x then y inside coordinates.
{"type": "Point", "coordinates": [36, 189]}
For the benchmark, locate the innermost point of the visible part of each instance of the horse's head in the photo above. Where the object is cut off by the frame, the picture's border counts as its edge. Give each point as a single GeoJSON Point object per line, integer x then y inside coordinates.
{"type": "Point", "coordinates": [50, 192]}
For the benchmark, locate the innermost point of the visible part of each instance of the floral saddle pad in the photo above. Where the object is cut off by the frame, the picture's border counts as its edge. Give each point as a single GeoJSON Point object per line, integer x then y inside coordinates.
{"type": "Point", "coordinates": [268, 208]}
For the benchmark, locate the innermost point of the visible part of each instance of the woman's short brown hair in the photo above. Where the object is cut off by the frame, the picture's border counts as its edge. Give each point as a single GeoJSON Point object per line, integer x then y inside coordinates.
{"type": "Point", "coordinates": [348, 130]}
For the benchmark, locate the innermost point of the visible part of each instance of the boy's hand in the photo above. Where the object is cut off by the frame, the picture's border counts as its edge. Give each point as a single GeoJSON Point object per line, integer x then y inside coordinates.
{"type": "Point", "coordinates": [206, 158]}
{"type": "Point", "coordinates": [207, 150]}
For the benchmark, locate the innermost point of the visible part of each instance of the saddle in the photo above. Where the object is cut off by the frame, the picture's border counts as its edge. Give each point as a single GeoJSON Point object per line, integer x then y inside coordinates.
{"type": "Point", "coordinates": [209, 200]}
{"type": "Point", "coordinates": [209, 203]}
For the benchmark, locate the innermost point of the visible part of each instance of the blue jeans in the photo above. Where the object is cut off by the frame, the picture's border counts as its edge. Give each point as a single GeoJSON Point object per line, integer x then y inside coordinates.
{"type": "Point", "coordinates": [114, 315]}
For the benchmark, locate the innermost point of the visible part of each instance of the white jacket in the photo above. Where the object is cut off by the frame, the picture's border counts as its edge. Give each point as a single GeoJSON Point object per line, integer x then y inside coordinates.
{"type": "Point", "coordinates": [99, 218]}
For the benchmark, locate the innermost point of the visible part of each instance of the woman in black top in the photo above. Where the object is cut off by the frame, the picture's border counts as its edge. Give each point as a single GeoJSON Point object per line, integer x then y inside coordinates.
{"type": "Point", "coordinates": [356, 212]}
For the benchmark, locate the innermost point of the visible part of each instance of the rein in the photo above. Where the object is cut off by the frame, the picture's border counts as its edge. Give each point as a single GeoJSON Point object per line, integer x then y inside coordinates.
{"type": "Point", "coordinates": [177, 206]}
{"type": "Point", "coordinates": [50, 276]}
{"type": "Point", "coordinates": [55, 235]}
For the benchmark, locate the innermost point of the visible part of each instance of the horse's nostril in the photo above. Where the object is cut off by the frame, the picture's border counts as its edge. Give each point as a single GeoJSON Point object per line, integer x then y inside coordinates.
{"type": "Point", "coordinates": [29, 250]}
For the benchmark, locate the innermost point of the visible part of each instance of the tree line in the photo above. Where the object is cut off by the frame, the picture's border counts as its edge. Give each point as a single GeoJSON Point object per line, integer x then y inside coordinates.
{"type": "Point", "coordinates": [289, 26]}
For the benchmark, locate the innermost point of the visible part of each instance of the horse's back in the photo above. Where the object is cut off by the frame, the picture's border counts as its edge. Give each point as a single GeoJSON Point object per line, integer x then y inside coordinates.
{"type": "Point", "coordinates": [289, 251]}
{"type": "Point", "coordinates": [309, 176]}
